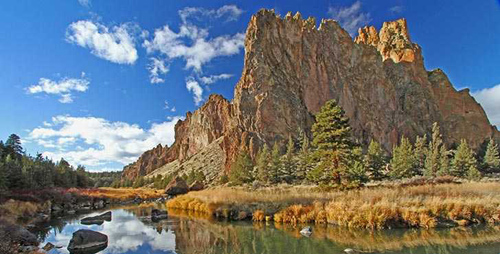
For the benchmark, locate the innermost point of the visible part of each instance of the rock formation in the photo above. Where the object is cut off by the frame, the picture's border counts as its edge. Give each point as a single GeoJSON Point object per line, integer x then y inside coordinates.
{"type": "Point", "coordinates": [293, 67]}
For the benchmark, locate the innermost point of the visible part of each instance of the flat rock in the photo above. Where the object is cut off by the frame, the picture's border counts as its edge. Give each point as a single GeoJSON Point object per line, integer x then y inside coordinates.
{"type": "Point", "coordinates": [85, 241]}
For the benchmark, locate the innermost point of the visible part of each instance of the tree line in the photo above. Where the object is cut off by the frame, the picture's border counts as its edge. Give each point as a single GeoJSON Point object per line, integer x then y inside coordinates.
{"type": "Point", "coordinates": [334, 159]}
{"type": "Point", "coordinates": [21, 171]}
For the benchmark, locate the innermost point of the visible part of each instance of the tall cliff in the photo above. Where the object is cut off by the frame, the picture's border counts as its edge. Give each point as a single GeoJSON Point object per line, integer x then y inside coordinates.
{"type": "Point", "coordinates": [293, 67]}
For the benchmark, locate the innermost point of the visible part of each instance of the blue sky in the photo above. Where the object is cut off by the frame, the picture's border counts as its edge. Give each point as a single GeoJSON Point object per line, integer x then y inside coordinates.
{"type": "Point", "coordinates": [99, 82]}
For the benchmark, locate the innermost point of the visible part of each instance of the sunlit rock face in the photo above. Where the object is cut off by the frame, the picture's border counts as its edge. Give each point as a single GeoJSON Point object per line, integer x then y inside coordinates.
{"type": "Point", "coordinates": [293, 66]}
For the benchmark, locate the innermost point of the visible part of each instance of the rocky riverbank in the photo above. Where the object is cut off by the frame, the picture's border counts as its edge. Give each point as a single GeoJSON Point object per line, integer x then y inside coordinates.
{"type": "Point", "coordinates": [22, 211]}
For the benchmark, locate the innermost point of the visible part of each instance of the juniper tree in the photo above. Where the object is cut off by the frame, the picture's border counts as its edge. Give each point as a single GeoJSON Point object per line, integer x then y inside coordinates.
{"type": "Point", "coordinates": [432, 160]}
{"type": "Point", "coordinates": [444, 162]}
{"type": "Point", "coordinates": [241, 169]}
{"type": "Point", "coordinates": [491, 159]}
{"type": "Point", "coordinates": [288, 167]}
{"type": "Point", "coordinates": [375, 161]}
{"type": "Point", "coordinates": [275, 163]}
{"type": "Point", "coordinates": [403, 160]}
{"type": "Point", "coordinates": [262, 164]}
{"type": "Point", "coordinates": [420, 153]}
{"type": "Point", "coordinates": [464, 163]}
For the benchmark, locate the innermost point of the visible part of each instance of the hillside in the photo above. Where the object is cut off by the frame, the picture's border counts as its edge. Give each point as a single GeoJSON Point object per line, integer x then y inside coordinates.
{"type": "Point", "coordinates": [292, 67]}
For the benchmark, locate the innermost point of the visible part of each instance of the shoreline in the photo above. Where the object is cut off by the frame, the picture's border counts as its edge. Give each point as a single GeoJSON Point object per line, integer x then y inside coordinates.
{"type": "Point", "coordinates": [25, 210]}
{"type": "Point", "coordinates": [442, 205]}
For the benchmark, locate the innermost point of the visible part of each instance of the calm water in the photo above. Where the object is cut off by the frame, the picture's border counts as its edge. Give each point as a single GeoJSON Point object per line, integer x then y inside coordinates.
{"type": "Point", "coordinates": [131, 231]}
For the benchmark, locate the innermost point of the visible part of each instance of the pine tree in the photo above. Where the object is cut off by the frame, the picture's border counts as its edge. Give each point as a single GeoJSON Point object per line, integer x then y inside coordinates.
{"type": "Point", "coordinates": [288, 168]}
{"type": "Point", "coordinates": [331, 131]}
{"type": "Point", "coordinates": [14, 144]}
{"type": "Point", "coordinates": [275, 164]}
{"type": "Point", "coordinates": [303, 163]}
{"type": "Point", "coordinates": [420, 152]}
{"type": "Point", "coordinates": [491, 159]}
{"type": "Point", "coordinates": [444, 162]}
{"type": "Point", "coordinates": [332, 139]}
{"type": "Point", "coordinates": [464, 163]}
{"type": "Point", "coordinates": [262, 164]}
{"type": "Point", "coordinates": [403, 160]}
{"type": "Point", "coordinates": [432, 160]}
{"type": "Point", "coordinates": [241, 169]}
{"type": "Point", "coordinates": [375, 161]}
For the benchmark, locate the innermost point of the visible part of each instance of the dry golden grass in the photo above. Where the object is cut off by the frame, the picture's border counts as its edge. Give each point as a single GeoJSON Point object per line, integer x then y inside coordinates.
{"type": "Point", "coordinates": [14, 210]}
{"type": "Point", "coordinates": [120, 193]}
{"type": "Point", "coordinates": [426, 206]}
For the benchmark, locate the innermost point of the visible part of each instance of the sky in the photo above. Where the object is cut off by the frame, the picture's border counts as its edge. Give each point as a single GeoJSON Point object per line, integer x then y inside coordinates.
{"type": "Point", "coordinates": [99, 82]}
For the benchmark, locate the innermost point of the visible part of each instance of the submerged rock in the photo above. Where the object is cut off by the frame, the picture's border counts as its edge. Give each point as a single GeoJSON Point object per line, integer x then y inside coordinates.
{"type": "Point", "coordinates": [87, 241]}
{"type": "Point", "coordinates": [49, 246]}
{"type": "Point", "coordinates": [157, 215]}
{"type": "Point", "coordinates": [307, 231]}
{"type": "Point", "coordinates": [99, 219]}
{"type": "Point", "coordinates": [176, 187]}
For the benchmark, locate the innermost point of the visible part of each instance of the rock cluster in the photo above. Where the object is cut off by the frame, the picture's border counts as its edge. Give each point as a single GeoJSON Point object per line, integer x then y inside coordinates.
{"type": "Point", "coordinates": [292, 68]}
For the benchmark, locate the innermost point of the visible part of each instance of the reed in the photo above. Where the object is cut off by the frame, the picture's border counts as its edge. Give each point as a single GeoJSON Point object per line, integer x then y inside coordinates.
{"type": "Point", "coordinates": [424, 206]}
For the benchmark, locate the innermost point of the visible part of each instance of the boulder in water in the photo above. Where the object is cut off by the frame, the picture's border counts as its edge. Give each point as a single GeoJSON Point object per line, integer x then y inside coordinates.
{"type": "Point", "coordinates": [157, 215]}
{"type": "Point", "coordinates": [87, 241]}
{"type": "Point", "coordinates": [306, 231]}
{"type": "Point", "coordinates": [99, 219]}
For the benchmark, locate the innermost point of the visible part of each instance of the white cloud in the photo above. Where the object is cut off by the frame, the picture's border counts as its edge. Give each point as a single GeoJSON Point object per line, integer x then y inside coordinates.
{"type": "Point", "coordinates": [396, 9]}
{"type": "Point", "coordinates": [232, 12]}
{"type": "Point", "coordinates": [115, 44]}
{"type": "Point", "coordinates": [85, 3]}
{"type": "Point", "coordinates": [193, 86]}
{"type": "Point", "coordinates": [489, 98]}
{"type": "Point", "coordinates": [100, 141]}
{"type": "Point", "coordinates": [199, 51]}
{"type": "Point", "coordinates": [156, 68]}
{"type": "Point", "coordinates": [63, 87]}
{"type": "Point", "coordinates": [350, 18]}
{"type": "Point", "coordinates": [192, 43]}
{"type": "Point", "coordinates": [207, 80]}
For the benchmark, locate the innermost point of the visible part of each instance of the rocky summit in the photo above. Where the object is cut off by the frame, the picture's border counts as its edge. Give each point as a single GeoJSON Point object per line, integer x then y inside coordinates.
{"type": "Point", "coordinates": [293, 66]}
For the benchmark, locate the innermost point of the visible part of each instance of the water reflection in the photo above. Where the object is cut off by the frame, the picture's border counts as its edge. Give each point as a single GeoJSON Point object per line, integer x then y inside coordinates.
{"type": "Point", "coordinates": [131, 231]}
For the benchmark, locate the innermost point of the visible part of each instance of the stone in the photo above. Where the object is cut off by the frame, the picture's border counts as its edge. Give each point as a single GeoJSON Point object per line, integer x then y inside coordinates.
{"type": "Point", "coordinates": [85, 240]}
{"type": "Point", "coordinates": [350, 251]}
{"type": "Point", "coordinates": [157, 215]}
{"type": "Point", "coordinates": [99, 219]}
{"type": "Point", "coordinates": [306, 231]}
{"type": "Point", "coordinates": [196, 186]}
{"type": "Point", "coordinates": [176, 187]}
{"type": "Point", "coordinates": [23, 236]}
{"type": "Point", "coordinates": [379, 79]}
{"type": "Point", "coordinates": [49, 246]}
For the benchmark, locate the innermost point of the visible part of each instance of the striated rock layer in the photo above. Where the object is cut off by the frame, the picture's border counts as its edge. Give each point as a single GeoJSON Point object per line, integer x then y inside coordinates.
{"type": "Point", "coordinates": [293, 67]}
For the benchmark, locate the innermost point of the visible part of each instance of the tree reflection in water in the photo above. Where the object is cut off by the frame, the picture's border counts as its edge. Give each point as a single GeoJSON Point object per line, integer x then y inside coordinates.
{"type": "Point", "coordinates": [132, 231]}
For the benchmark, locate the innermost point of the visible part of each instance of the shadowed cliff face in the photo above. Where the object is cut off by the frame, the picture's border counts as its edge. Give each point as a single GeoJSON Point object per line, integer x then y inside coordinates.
{"type": "Point", "coordinates": [293, 67]}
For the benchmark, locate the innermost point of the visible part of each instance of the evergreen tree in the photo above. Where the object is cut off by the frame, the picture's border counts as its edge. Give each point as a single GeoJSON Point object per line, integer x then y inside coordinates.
{"type": "Point", "coordinates": [287, 172]}
{"type": "Point", "coordinates": [332, 138]}
{"type": "Point", "coordinates": [241, 169]}
{"type": "Point", "coordinates": [304, 161]}
{"type": "Point", "coordinates": [332, 132]}
{"type": "Point", "coordinates": [275, 164]}
{"type": "Point", "coordinates": [15, 177]}
{"type": "Point", "coordinates": [444, 162]}
{"type": "Point", "coordinates": [3, 175]}
{"type": "Point", "coordinates": [491, 159]}
{"type": "Point", "coordinates": [14, 144]}
{"type": "Point", "coordinates": [432, 160]}
{"type": "Point", "coordinates": [375, 161]}
{"type": "Point", "coordinates": [403, 160]}
{"type": "Point", "coordinates": [420, 153]}
{"type": "Point", "coordinates": [262, 164]}
{"type": "Point", "coordinates": [464, 163]}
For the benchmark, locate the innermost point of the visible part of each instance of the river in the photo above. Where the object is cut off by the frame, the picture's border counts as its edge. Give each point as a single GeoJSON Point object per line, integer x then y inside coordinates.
{"type": "Point", "coordinates": [131, 231]}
